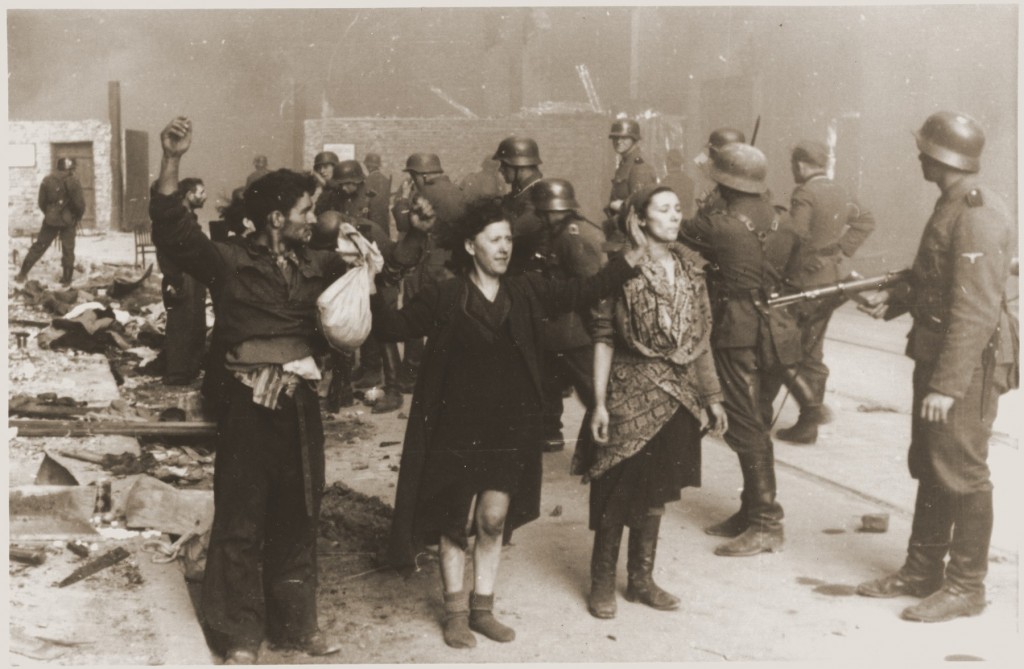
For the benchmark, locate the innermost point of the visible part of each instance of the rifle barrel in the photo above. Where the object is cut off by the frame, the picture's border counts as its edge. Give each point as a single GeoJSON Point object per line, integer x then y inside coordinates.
{"type": "Point", "coordinates": [843, 287]}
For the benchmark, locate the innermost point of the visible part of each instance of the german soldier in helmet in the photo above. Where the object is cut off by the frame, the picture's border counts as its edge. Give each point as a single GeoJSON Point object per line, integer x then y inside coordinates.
{"type": "Point", "coordinates": [519, 159]}
{"type": "Point", "coordinates": [753, 249]}
{"type": "Point", "coordinates": [831, 225]}
{"type": "Point", "coordinates": [633, 173]}
{"type": "Point", "coordinates": [324, 165]}
{"type": "Point", "coordinates": [430, 202]}
{"type": "Point", "coordinates": [720, 137]}
{"type": "Point", "coordinates": [963, 345]}
{"type": "Point", "coordinates": [574, 249]}
{"type": "Point", "coordinates": [63, 204]}
{"type": "Point", "coordinates": [346, 193]}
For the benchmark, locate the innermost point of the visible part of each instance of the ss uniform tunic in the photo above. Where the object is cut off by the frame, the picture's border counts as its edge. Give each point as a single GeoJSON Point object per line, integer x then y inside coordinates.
{"type": "Point", "coordinates": [831, 226]}
{"type": "Point", "coordinates": [751, 248]}
{"type": "Point", "coordinates": [962, 340]}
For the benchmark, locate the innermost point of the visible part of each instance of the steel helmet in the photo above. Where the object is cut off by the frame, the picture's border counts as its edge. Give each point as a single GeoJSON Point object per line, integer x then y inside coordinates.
{"type": "Point", "coordinates": [66, 164]}
{"type": "Point", "coordinates": [624, 127]}
{"type": "Point", "coordinates": [953, 139]}
{"type": "Point", "coordinates": [423, 163]}
{"type": "Point", "coordinates": [325, 158]}
{"type": "Point", "coordinates": [372, 160]}
{"type": "Point", "coordinates": [723, 136]}
{"type": "Point", "coordinates": [518, 152]}
{"type": "Point", "coordinates": [554, 195]}
{"type": "Point", "coordinates": [349, 172]}
{"type": "Point", "coordinates": [741, 167]}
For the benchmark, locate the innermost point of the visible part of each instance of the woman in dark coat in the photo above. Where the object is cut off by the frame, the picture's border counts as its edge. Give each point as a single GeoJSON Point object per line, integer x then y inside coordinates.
{"type": "Point", "coordinates": [654, 378]}
{"type": "Point", "coordinates": [473, 431]}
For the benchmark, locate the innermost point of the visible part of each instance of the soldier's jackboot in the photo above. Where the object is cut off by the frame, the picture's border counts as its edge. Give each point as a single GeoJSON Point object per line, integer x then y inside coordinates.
{"type": "Point", "coordinates": [66, 274]}
{"type": "Point", "coordinates": [963, 593]}
{"type": "Point", "coordinates": [643, 544]}
{"type": "Point", "coordinates": [603, 561]}
{"type": "Point", "coordinates": [812, 413]}
{"type": "Point", "coordinates": [922, 572]}
{"type": "Point", "coordinates": [368, 374]}
{"type": "Point", "coordinates": [734, 525]}
{"type": "Point", "coordinates": [392, 398]}
{"type": "Point", "coordinates": [764, 532]}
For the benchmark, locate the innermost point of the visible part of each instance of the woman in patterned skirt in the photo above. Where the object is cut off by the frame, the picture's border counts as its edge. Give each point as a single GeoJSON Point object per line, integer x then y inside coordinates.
{"type": "Point", "coordinates": [654, 378]}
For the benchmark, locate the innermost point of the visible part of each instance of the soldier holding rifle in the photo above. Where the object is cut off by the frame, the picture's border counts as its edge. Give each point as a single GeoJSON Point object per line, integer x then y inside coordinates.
{"type": "Point", "coordinates": [963, 344]}
{"type": "Point", "coordinates": [830, 226]}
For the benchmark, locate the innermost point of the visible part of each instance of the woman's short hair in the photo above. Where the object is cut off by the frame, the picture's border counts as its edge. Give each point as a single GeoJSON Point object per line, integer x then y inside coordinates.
{"type": "Point", "coordinates": [277, 191]}
{"type": "Point", "coordinates": [478, 214]}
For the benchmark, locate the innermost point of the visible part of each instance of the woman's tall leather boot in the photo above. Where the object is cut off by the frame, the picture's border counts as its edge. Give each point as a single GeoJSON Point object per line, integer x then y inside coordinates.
{"type": "Point", "coordinates": [643, 544]}
{"type": "Point", "coordinates": [603, 561]}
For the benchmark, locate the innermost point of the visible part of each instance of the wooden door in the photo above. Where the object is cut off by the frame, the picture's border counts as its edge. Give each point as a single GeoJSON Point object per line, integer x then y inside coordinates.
{"type": "Point", "coordinates": [82, 153]}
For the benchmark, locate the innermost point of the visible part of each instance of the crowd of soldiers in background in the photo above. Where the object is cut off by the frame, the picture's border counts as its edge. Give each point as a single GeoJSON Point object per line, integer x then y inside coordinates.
{"type": "Point", "coordinates": [541, 210]}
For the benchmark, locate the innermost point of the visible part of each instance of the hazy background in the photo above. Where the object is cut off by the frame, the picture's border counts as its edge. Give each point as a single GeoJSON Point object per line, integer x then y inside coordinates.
{"type": "Point", "coordinates": [871, 73]}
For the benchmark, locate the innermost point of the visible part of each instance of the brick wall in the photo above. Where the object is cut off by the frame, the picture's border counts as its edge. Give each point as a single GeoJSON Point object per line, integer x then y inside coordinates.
{"type": "Point", "coordinates": [22, 210]}
{"type": "Point", "coordinates": [573, 147]}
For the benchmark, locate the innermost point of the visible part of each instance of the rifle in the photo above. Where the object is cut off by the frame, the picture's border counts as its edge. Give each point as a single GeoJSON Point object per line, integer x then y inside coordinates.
{"type": "Point", "coordinates": [757, 126]}
{"type": "Point", "coordinates": [846, 288]}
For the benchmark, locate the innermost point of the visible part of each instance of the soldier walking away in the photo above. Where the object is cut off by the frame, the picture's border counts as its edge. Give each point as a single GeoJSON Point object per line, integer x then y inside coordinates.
{"type": "Point", "coordinates": [831, 226]}
{"type": "Point", "coordinates": [574, 250]}
{"type": "Point", "coordinates": [184, 299]}
{"type": "Point", "coordinates": [260, 170]}
{"type": "Point", "coordinates": [261, 571]}
{"type": "Point", "coordinates": [63, 204]}
{"type": "Point", "coordinates": [752, 249]}
{"type": "Point", "coordinates": [427, 201]}
{"type": "Point", "coordinates": [964, 346]}
{"type": "Point", "coordinates": [709, 199]}
{"type": "Point", "coordinates": [679, 182]}
{"type": "Point", "coordinates": [520, 160]}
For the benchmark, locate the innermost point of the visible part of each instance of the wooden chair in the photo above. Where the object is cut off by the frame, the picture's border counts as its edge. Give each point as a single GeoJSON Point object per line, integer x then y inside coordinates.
{"type": "Point", "coordinates": [143, 243]}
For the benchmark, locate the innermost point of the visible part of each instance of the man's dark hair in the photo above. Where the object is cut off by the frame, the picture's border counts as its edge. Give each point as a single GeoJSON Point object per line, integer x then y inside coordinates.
{"type": "Point", "coordinates": [187, 185]}
{"type": "Point", "coordinates": [277, 191]}
{"type": "Point", "coordinates": [478, 214]}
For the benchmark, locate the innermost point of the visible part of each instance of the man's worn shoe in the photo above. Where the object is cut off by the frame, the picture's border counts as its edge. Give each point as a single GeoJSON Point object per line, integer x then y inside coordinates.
{"type": "Point", "coordinates": [240, 656]}
{"type": "Point", "coordinates": [946, 604]}
{"type": "Point", "coordinates": [898, 585]}
{"type": "Point", "coordinates": [20, 278]}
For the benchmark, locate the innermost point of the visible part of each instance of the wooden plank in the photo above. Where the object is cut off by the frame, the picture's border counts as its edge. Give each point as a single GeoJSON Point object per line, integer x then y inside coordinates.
{"type": "Point", "coordinates": [75, 428]}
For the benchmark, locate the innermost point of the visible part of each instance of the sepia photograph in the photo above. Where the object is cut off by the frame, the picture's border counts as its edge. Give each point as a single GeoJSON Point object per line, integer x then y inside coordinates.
{"type": "Point", "coordinates": [472, 334]}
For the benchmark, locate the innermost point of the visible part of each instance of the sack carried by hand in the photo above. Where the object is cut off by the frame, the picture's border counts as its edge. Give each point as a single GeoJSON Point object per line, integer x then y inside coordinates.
{"type": "Point", "coordinates": [344, 308]}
